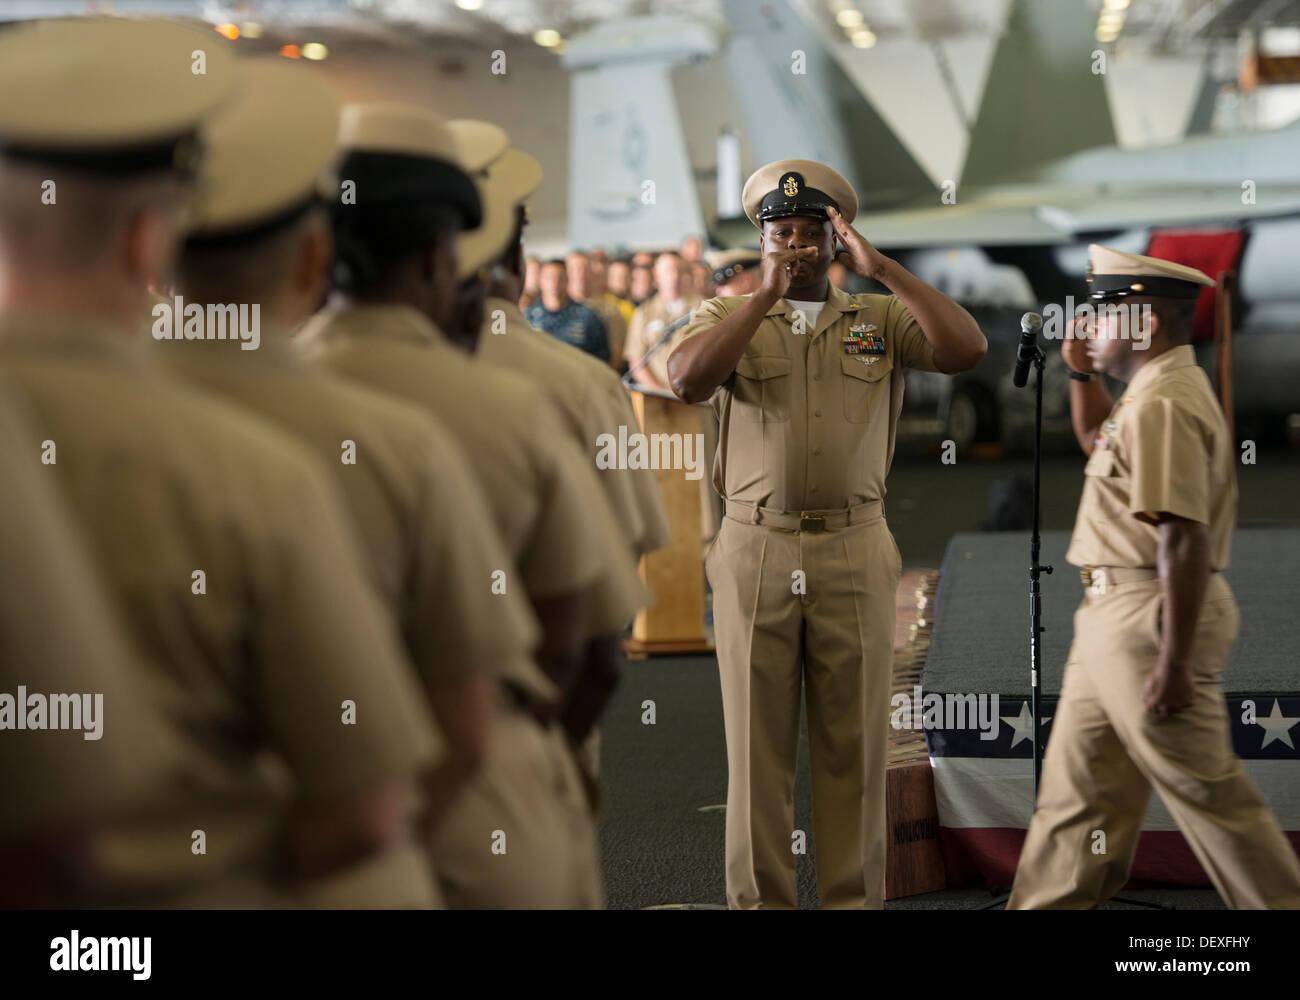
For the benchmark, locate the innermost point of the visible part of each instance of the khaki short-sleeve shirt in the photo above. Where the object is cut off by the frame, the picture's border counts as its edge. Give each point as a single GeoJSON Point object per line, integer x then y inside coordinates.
{"type": "Point", "coordinates": [592, 401]}
{"type": "Point", "coordinates": [256, 661]}
{"type": "Point", "coordinates": [504, 428]}
{"type": "Point", "coordinates": [66, 664]}
{"type": "Point", "coordinates": [422, 520]}
{"type": "Point", "coordinates": [607, 407]}
{"type": "Point", "coordinates": [576, 396]}
{"type": "Point", "coordinates": [808, 420]}
{"type": "Point", "coordinates": [1164, 448]}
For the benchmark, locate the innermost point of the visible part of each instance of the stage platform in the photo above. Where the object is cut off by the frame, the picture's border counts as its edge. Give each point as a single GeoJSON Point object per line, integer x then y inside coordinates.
{"type": "Point", "coordinates": [980, 645]}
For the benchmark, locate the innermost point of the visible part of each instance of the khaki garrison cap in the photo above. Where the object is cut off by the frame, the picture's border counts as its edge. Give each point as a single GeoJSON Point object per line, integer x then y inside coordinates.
{"type": "Point", "coordinates": [268, 153]}
{"type": "Point", "coordinates": [1114, 274]}
{"type": "Point", "coordinates": [398, 152]}
{"type": "Point", "coordinates": [507, 184]}
{"type": "Point", "coordinates": [110, 94]}
{"type": "Point", "coordinates": [478, 143]}
{"type": "Point", "coordinates": [797, 187]}
{"type": "Point", "coordinates": [727, 264]}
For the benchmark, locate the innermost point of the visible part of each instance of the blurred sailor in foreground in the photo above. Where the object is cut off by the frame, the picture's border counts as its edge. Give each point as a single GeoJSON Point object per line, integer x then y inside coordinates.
{"type": "Point", "coordinates": [591, 401]}
{"type": "Point", "coordinates": [1142, 699]}
{"type": "Point", "coordinates": [808, 384]}
{"type": "Point", "coordinates": [407, 324]}
{"type": "Point", "coordinates": [220, 540]}
{"type": "Point", "coordinates": [65, 665]}
{"type": "Point", "coordinates": [260, 234]}
{"type": "Point", "coordinates": [586, 393]}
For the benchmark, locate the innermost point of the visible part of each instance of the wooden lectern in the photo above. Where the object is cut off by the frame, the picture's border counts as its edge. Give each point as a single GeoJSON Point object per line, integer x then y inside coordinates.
{"type": "Point", "coordinates": [675, 573]}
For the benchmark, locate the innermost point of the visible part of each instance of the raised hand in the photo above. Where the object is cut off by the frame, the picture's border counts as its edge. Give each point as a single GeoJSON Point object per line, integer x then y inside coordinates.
{"type": "Point", "coordinates": [1074, 346]}
{"type": "Point", "coordinates": [863, 259]}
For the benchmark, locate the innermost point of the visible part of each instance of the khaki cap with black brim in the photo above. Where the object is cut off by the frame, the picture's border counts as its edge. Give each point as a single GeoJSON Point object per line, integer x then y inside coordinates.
{"type": "Point", "coordinates": [112, 95]}
{"type": "Point", "coordinates": [397, 152]}
{"type": "Point", "coordinates": [1115, 274]}
{"type": "Point", "coordinates": [269, 154]}
{"type": "Point", "coordinates": [802, 188]}
{"type": "Point", "coordinates": [503, 189]}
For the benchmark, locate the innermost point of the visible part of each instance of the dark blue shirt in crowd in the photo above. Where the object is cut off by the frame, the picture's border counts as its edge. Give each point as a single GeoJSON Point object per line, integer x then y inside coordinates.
{"type": "Point", "coordinates": [572, 323]}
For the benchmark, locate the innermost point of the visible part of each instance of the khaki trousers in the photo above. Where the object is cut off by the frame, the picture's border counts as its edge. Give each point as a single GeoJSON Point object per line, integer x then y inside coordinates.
{"type": "Point", "coordinates": [1106, 752]}
{"type": "Point", "coordinates": [522, 835]}
{"type": "Point", "coordinates": [837, 639]}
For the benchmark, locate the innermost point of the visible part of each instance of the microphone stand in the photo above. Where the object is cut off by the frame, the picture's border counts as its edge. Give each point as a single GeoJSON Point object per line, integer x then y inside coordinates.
{"type": "Point", "coordinates": [1036, 569]}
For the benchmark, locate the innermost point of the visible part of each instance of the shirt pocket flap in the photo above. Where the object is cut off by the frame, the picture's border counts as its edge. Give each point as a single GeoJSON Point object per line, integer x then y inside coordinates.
{"type": "Point", "coordinates": [1100, 463]}
{"type": "Point", "coordinates": [762, 367]}
{"type": "Point", "coordinates": [855, 366]}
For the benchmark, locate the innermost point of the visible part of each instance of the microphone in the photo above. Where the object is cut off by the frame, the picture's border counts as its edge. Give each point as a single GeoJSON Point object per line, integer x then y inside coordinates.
{"type": "Point", "coordinates": [1030, 324]}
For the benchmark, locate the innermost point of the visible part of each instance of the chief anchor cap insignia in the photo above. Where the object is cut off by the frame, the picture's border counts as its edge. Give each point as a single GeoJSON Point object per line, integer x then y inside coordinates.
{"type": "Point", "coordinates": [791, 185]}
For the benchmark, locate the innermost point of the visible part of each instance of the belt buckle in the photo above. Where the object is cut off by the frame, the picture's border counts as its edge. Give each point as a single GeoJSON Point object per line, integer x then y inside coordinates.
{"type": "Point", "coordinates": [812, 522]}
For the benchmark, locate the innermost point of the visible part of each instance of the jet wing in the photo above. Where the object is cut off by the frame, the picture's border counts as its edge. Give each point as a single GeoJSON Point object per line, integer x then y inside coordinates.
{"type": "Point", "coordinates": [1046, 215]}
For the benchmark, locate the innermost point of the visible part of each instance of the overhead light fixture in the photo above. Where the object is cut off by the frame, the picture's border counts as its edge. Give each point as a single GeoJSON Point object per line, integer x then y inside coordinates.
{"type": "Point", "coordinates": [850, 17]}
{"type": "Point", "coordinates": [548, 38]}
{"type": "Point", "coordinates": [231, 31]}
{"type": "Point", "coordinates": [1107, 34]}
{"type": "Point", "coordinates": [1110, 17]}
{"type": "Point", "coordinates": [314, 50]}
{"type": "Point", "coordinates": [469, 4]}
{"type": "Point", "coordinates": [251, 30]}
{"type": "Point", "coordinates": [1116, 4]}
{"type": "Point", "coordinates": [863, 39]}
{"type": "Point", "coordinates": [291, 51]}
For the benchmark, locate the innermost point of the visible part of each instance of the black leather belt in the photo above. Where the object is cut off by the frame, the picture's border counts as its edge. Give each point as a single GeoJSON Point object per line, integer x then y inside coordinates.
{"type": "Point", "coordinates": [805, 520]}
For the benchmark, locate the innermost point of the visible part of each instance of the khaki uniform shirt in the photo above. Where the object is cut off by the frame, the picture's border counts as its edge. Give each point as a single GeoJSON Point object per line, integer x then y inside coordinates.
{"type": "Point", "coordinates": [655, 531]}
{"type": "Point", "coordinates": [501, 422]}
{"type": "Point", "coordinates": [1164, 448]}
{"type": "Point", "coordinates": [254, 671]}
{"type": "Point", "coordinates": [417, 510]}
{"type": "Point", "coordinates": [649, 321]}
{"type": "Point", "coordinates": [804, 425]}
{"type": "Point", "coordinates": [576, 398]}
{"type": "Point", "coordinates": [591, 401]}
{"type": "Point", "coordinates": [60, 636]}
